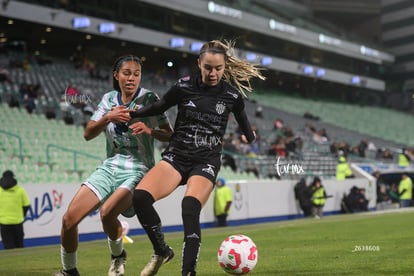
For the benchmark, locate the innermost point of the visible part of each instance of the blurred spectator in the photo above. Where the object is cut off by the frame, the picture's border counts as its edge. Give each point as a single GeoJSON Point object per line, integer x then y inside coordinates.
{"type": "Point", "coordinates": [384, 155]}
{"type": "Point", "coordinates": [223, 197]}
{"type": "Point", "coordinates": [293, 144]}
{"type": "Point", "coordinates": [72, 91]}
{"type": "Point", "coordinates": [302, 197]}
{"type": "Point", "coordinates": [343, 169]}
{"type": "Point", "coordinates": [405, 189]}
{"type": "Point", "coordinates": [393, 193]}
{"type": "Point", "coordinates": [259, 112]}
{"type": "Point", "coordinates": [320, 136]}
{"type": "Point", "coordinates": [250, 167]}
{"type": "Point", "coordinates": [278, 124]}
{"type": "Point", "coordinates": [403, 158]}
{"type": "Point", "coordinates": [377, 175]}
{"type": "Point", "coordinates": [308, 129]}
{"type": "Point", "coordinates": [361, 148]}
{"type": "Point", "coordinates": [371, 146]}
{"type": "Point", "coordinates": [229, 147]}
{"type": "Point", "coordinates": [278, 148]}
{"type": "Point", "coordinates": [318, 197]}
{"type": "Point", "coordinates": [29, 94]}
{"type": "Point", "coordinates": [355, 201]}
{"type": "Point", "coordinates": [310, 116]}
{"type": "Point", "coordinates": [384, 201]}
{"type": "Point", "coordinates": [13, 208]}
{"type": "Point", "coordinates": [340, 149]}
{"type": "Point", "coordinates": [255, 145]}
{"type": "Point", "coordinates": [362, 200]}
{"type": "Point", "coordinates": [4, 75]}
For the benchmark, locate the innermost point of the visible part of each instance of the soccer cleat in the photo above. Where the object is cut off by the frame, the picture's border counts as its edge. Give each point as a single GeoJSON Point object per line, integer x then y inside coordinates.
{"type": "Point", "coordinates": [156, 261]}
{"type": "Point", "coordinates": [72, 272]}
{"type": "Point", "coordinates": [117, 267]}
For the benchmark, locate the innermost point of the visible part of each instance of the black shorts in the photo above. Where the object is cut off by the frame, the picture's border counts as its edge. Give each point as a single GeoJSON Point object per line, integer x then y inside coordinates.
{"type": "Point", "coordinates": [188, 167]}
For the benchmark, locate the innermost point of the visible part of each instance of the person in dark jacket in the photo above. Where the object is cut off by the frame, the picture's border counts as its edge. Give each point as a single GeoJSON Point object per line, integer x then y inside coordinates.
{"type": "Point", "coordinates": [303, 197]}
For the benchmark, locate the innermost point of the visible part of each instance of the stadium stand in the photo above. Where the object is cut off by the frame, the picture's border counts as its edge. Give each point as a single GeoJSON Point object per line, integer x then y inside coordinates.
{"type": "Point", "coordinates": [49, 147]}
{"type": "Point", "coordinates": [42, 150]}
{"type": "Point", "coordinates": [386, 124]}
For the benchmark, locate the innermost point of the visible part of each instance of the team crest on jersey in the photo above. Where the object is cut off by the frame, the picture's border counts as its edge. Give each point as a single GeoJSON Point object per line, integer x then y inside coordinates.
{"type": "Point", "coordinates": [134, 106]}
{"type": "Point", "coordinates": [209, 169]}
{"type": "Point", "coordinates": [220, 107]}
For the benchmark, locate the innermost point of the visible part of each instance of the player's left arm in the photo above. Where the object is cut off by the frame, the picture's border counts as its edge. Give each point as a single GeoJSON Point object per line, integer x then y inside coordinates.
{"type": "Point", "coordinates": [241, 117]}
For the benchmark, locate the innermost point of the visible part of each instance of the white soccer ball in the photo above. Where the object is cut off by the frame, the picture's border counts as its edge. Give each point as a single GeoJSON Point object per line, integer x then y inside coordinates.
{"type": "Point", "coordinates": [237, 254]}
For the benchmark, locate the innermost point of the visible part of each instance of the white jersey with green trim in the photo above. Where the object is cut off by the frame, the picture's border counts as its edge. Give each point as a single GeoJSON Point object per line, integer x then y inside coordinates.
{"type": "Point", "coordinates": [124, 150]}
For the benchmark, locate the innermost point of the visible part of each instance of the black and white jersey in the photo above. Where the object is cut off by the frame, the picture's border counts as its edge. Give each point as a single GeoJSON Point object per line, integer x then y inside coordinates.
{"type": "Point", "coordinates": [202, 117]}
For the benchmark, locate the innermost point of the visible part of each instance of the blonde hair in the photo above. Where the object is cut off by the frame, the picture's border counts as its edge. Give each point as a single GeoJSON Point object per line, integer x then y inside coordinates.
{"type": "Point", "coordinates": [237, 72]}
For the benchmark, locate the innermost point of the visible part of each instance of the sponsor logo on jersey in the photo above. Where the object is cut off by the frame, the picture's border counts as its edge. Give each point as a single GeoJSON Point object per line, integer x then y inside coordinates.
{"type": "Point", "coordinates": [190, 103]}
{"type": "Point", "coordinates": [209, 169]}
{"type": "Point", "coordinates": [220, 107]}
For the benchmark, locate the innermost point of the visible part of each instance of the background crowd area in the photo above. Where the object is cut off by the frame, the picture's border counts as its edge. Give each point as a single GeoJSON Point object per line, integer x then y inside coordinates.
{"type": "Point", "coordinates": [390, 194]}
{"type": "Point", "coordinates": [68, 90]}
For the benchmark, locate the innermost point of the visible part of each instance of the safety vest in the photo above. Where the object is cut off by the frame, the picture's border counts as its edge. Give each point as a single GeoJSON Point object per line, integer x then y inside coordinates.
{"type": "Point", "coordinates": [406, 184]}
{"type": "Point", "coordinates": [222, 195]}
{"type": "Point", "coordinates": [403, 160]}
{"type": "Point", "coordinates": [318, 197]}
{"type": "Point", "coordinates": [12, 202]}
{"type": "Point", "coordinates": [342, 171]}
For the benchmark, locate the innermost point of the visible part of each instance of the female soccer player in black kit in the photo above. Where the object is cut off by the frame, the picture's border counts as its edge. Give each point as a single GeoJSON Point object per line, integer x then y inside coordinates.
{"type": "Point", "coordinates": [193, 155]}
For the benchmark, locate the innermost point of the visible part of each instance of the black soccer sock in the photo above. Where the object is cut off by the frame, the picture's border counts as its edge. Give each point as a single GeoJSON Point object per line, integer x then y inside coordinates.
{"type": "Point", "coordinates": [149, 219]}
{"type": "Point", "coordinates": [191, 208]}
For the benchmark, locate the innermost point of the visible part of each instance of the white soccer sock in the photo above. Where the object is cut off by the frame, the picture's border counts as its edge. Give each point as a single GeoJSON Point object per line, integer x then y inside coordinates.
{"type": "Point", "coordinates": [69, 260]}
{"type": "Point", "coordinates": [116, 246]}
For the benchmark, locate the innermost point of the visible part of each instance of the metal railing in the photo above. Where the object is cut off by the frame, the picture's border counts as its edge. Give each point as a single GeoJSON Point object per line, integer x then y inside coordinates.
{"type": "Point", "coordinates": [75, 153]}
{"type": "Point", "coordinates": [19, 142]}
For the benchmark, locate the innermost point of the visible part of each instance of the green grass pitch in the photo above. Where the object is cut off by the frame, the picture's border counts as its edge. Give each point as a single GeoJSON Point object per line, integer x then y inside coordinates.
{"type": "Point", "coordinates": [359, 244]}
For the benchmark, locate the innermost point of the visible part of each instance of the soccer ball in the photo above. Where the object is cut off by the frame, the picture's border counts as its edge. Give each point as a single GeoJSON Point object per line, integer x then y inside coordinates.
{"type": "Point", "coordinates": [237, 254]}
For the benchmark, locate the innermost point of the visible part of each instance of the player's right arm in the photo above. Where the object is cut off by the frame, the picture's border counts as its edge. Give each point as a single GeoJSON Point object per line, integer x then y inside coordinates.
{"type": "Point", "coordinates": [118, 114]}
{"type": "Point", "coordinates": [158, 107]}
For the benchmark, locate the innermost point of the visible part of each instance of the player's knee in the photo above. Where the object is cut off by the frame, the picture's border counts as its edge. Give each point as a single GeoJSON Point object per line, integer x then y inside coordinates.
{"type": "Point", "coordinates": [107, 215]}
{"type": "Point", "coordinates": [190, 207]}
{"type": "Point", "coordinates": [69, 222]}
{"type": "Point", "coordinates": [142, 199]}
